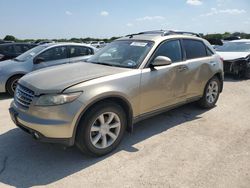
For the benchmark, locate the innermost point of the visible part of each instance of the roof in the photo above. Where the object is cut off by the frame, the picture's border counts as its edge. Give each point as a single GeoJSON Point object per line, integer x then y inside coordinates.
{"type": "Point", "coordinates": [66, 43]}
{"type": "Point", "coordinates": [159, 35]}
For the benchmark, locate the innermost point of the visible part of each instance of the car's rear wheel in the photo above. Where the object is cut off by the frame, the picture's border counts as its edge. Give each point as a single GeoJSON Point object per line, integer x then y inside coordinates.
{"type": "Point", "coordinates": [211, 93]}
{"type": "Point", "coordinates": [101, 129]}
{"type": "Point", "coordinates": [12, 84]}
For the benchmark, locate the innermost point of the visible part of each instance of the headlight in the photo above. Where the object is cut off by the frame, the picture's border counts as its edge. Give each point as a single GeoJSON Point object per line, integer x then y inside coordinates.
{"type": "Point", "coordinates": [57, 99]}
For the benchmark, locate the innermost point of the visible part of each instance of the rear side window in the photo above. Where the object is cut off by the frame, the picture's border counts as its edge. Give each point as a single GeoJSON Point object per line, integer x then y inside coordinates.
{"type": "Point", "coordinates": [194, 49]}
{"type": "Point", "coordinates": [170, 49]}
{"type": "Point", "coordinates": [77, 51]}
{"type": "Point", "coordinates": [19, 49]}
{"type": "Point", "coordinates": [6, 49]}
{"type": "Point", "coordinates": [26, 48]}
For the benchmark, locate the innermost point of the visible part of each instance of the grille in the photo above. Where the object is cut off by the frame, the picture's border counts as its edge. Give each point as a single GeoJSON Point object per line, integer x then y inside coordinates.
{"type": "Point", "coordinates": [23, 96]}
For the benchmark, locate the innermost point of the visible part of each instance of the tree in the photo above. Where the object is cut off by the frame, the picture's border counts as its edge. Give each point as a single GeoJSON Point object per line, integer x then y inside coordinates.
{"type": "Point", "coordinates": [9, 38]}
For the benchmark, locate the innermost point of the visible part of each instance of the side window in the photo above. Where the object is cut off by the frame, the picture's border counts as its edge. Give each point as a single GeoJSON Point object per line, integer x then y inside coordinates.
{"type": "Point", "coordinates": [18, 49]}
{"type": "Point", "coordinates": [194, 49]}
{"type": "Point", "coordinates": [77, 51]}
{"type": "Point", "coordinates": [1, 49]}
{"type": "Point", "coordinates": [55, 53]}
{"type": "Point", "coordinates": [8, 49]}
{"type": "Point", "coordinates": [26, 48]}
{"type": "Point", "coordinates": [171, 49]}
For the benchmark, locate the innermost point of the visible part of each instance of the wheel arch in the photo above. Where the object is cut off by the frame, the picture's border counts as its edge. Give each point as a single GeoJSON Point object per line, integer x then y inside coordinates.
{"type": "Point", "coordinates": [12, 76]}
{"type": "Point", "coordinates": [123, 102]}
{"type": "Point", "coordinates": [220, 76]}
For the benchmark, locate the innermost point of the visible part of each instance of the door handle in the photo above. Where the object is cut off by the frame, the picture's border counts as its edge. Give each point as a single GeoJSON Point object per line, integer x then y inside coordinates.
{"type": "Point", "coordinates": [213, 63]}
{"type": "Point", "coordinates": [182, 68]}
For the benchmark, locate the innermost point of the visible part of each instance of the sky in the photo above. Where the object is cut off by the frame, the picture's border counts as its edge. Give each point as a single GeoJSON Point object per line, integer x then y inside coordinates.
{"type": "Point", "coordinates": [106, 18]}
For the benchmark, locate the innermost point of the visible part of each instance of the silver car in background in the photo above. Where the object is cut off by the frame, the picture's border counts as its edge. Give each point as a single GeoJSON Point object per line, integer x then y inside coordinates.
{"type": "Point", "coordinates": [40, 57]}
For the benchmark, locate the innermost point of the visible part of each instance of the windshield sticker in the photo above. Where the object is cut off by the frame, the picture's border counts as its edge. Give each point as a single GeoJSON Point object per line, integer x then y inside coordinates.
{"type": "Point", "coordinates": [32, 53]}
{"type": "Point", "coordinates": [139, 44]}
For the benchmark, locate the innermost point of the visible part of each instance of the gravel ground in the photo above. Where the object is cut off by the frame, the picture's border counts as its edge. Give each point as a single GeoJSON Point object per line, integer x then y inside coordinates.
{"type": "Point", "coordinates": [185, 147]}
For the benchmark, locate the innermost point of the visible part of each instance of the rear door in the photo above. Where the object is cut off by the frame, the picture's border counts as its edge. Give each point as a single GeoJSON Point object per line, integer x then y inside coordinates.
{"type": "Point", "coordinates": [198, 60]}
{"type": "Point", "coordinates": [52, 57]}
{"type": "Point", "coordinates": [79, 53]}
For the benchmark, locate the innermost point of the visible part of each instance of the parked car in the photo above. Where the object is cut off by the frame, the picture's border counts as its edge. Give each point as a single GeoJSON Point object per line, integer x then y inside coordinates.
{"type": "Point", "coordinates": [5, 41]}
{"type": "Point", "coordinates": [40, 57]}
{"type": "Point", "coordinates": [92, 104]}
{"type": "Point", "coordinates": [98, 44]}
{"type": "Point", "coordinates": [236, 56]}
{"type": "Point", "coordinates": [39, 42]}
{"type": "Point", "coordinates": [232, 38]}
{"type": "Point", "coordinates": [12, 50]}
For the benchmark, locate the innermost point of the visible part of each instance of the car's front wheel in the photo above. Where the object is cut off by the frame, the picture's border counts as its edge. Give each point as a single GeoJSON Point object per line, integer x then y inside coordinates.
{"type": "Point", "coordinates": [101, 129]}
{"type": "Point", "coordinates": [211, 93]}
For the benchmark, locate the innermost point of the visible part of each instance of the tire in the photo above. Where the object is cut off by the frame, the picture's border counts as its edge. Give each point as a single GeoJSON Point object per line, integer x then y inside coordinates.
{"type": "Point", "coordinates": [211, 93]}
{"type": "Point", "coordinates": [11, 84]}
{"type": "Point", "coordinates": [93, 132]}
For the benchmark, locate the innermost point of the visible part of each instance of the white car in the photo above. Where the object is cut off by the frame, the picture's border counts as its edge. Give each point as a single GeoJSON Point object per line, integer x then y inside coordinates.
{"type": "Point", "coordinates": [236, 57]}
{"type": "Point", "coordinates": [98, 44]}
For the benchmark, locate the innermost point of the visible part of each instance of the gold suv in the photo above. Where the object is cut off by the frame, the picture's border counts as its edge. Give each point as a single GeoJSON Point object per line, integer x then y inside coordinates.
{"type": "Point", "coordinates": [91, 104]}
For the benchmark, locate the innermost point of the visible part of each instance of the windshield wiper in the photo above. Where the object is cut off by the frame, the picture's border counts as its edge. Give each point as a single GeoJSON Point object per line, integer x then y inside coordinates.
{"type": "Point", "coordinates": [15, 59]}
{"type": "Point", "coordinates": [101, 63]}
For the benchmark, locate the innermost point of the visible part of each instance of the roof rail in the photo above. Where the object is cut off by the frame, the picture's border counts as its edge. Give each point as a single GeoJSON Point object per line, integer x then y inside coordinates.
{"type": "Point", "coordinates": [183, 33]}
{"type": "Point", "coordinates": [164, 33]}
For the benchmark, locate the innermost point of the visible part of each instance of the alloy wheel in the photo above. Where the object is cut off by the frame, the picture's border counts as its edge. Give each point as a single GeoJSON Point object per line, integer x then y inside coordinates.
{"type": "Point", "coordinates": [105, 130]}
{"type": "Point", "coordinates": [212, 92]}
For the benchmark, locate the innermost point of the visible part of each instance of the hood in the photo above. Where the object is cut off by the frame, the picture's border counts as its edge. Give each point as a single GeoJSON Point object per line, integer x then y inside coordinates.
{"type": "Point", "coordinates": [56, 79]}
{"type": "Point", "coordinates": [6, 63]}
{"type": "Point", "coordinates": [233, 55]}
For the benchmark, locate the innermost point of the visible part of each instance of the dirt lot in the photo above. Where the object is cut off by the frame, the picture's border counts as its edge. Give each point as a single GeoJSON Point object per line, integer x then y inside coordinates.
{"type": "Point", "coordinates": [186, 147]}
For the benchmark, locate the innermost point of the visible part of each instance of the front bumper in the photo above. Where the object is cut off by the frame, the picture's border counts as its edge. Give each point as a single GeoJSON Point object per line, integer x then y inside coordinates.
{"type": "Point", "coordinates": [236, 67]}
{"type": "Point", "coordinates": [53, 124]}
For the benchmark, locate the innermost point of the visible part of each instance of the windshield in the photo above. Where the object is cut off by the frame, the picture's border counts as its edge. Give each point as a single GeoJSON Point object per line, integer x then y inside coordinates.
{"type": "Point", "coordinates": [30, 53]}
{"type": "Point", "coordinates": [234, 47]}
{"type": "Point", "coordinates": [128, 54]}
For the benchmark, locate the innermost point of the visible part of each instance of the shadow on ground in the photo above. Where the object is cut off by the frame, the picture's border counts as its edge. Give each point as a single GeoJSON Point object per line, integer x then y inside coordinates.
{"type": "Point", "coordinates": [4, 96]}
{"type": "Point", "coordinates": [25, 162]}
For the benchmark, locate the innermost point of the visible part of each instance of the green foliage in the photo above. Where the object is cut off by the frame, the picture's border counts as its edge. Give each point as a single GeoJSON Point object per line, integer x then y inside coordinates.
{"type": "Point", "coordinates": [107, 40]}
{"type": "Point", "coordinates": [9, 38]}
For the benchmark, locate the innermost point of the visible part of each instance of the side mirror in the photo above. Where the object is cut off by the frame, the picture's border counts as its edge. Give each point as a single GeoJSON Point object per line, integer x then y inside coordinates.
{"type": "Point", "coordinates": [38, 60]}
{"type": "Point", "coordinates": [161, 61]}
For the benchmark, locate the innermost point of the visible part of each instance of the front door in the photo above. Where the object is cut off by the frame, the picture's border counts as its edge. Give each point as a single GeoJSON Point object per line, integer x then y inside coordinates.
{"type": "Point", "coordinates": [162, 86]}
